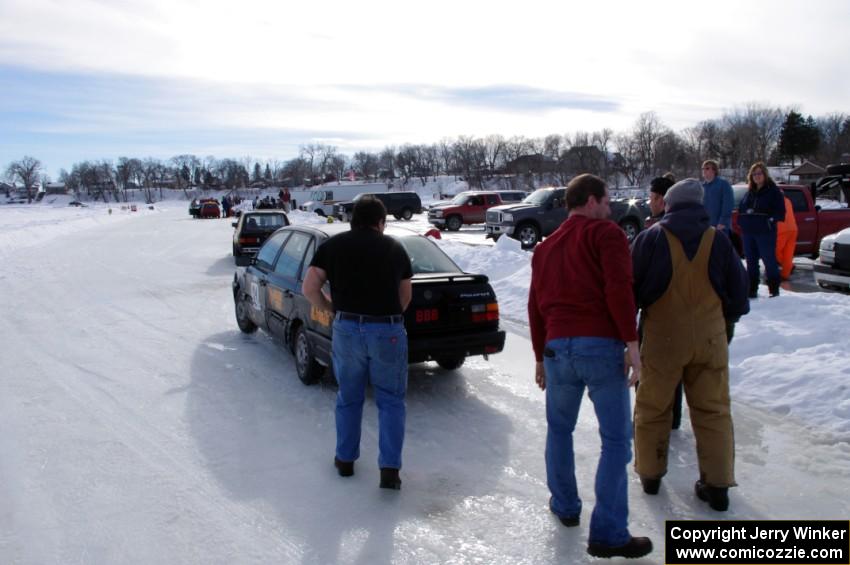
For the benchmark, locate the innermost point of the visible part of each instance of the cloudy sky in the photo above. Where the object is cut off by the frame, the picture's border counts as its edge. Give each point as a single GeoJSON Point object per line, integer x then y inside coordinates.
{"type": "Point", "coordinates": [93, 79]}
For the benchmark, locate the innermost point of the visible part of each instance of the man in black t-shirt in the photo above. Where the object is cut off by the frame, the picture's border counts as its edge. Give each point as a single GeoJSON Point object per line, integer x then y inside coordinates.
{"type": "Point", "coordinates": [369, 275]}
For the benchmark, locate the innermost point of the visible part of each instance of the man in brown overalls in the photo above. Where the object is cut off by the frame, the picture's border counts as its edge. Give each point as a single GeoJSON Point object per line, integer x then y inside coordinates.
{"type": "Point", "coordinates": [690, 284]}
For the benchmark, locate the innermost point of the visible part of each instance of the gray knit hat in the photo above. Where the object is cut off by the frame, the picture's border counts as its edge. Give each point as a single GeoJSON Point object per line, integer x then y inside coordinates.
{"type": "Point", "coordinates": [688, 191]}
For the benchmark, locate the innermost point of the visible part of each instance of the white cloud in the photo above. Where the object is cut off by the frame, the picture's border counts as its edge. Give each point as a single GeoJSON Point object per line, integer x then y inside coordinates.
{"type": "Point", "coordinates": [337, 66]}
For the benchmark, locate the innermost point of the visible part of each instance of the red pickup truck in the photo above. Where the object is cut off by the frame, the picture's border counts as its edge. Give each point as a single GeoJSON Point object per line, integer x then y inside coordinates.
{"type": "Point", "coordinates": [470, 207]}
{"type": "Point", "coordinates": [813, 223]}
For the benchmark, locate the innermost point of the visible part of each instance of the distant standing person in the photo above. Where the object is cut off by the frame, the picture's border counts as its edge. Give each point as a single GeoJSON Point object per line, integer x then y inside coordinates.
{"type": "Point", "coordinates": [786, 240]}
{"type": "Point", "coordinates": [719, 199]}
{"type": "Point", "coordinates": [581, 313]}
{"type": "Point", "coordinates": [370, 281]}
{"type": "Point", "coordinates": [286, 198]}
{"type": "Point", "coordinates": [761, 209]}
{"type": "Point", "coordinates": [691, 289]}
{"type": "Point", "coordinates": [658, 188]}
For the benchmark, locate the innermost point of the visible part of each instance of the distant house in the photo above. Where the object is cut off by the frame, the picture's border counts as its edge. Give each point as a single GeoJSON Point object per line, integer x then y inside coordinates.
{"type": "Point", "coordinates": [807, 172]}
{"type": "Point", "coordinates": [531, 164]}
{"type": "Point", "coordinates": [7, 188]}
{"type": "Point", "coordinates": [55, 188]}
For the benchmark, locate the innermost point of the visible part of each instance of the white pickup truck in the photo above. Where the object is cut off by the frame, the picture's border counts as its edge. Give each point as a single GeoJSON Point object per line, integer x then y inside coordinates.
{"type": "Point", "coordinates": [832, 269]}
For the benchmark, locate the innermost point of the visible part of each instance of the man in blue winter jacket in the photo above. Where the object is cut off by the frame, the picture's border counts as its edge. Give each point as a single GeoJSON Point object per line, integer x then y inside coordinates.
{"type": "Point", "coordinates": [718, 199]}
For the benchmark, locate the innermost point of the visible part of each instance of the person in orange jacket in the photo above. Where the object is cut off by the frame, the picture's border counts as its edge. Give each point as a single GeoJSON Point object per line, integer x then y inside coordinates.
{"type": "Point", "coordinates": [786, 240]}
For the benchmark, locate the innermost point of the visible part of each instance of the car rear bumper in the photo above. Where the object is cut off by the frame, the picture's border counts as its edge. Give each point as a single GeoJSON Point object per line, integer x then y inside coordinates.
{"type": "Point", "coordinates": [466, 345]}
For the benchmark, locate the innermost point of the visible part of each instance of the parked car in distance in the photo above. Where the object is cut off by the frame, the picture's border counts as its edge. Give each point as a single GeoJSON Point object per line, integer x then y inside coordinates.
{"type": "Point", "coordinates": [468, 208]}
{"type": "Point", "coordinates": [813, 223]}
{"type": "Point", "coordinates": [210, 210]}
{"type": "Point", "coordinates": [322, 200]}
{"type": "Point", "coordinates": [543, 211]}
{"type": "Point", "coordinates": [401, 205]}
{"type": "Point", "coordinates": [196, 205]}
{"type": "Point", "coordinates": [452, 314]}
{"type": "Point", "coordinates": [252, 230]}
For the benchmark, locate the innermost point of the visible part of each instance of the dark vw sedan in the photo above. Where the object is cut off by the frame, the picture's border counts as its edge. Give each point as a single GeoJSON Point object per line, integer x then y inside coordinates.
{"type": "Point", "coordinates": [452, 314]}
{"type": "Point", "coordinates": [252, 230]}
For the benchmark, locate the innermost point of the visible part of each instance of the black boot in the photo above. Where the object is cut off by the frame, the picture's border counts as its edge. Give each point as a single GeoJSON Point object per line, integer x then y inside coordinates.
{"type": "Point", "coordinates": [773, 287]}
{"type": "Point", "coordinates": [344, 468]}
{"type": "Point", "coordinates": [754, 288]}
{"type": "Point", "coordinates": [635, 547]}
{"type": "Point", "coordinates": [717, 497]}
{"type": "Point", "coordinates": [389, 478]}
{"type": "Point", "coordinates": [650, 486]}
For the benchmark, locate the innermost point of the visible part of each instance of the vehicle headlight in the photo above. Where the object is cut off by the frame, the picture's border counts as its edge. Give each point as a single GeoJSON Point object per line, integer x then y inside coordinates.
{"type": "Point", "coordinates": [507, 217]}
{"type": "Point", "coordinates": [438, 213]}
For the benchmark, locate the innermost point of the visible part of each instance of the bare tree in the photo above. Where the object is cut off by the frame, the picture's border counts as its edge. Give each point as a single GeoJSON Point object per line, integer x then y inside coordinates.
{"type": "Point", "coordinates": [445, 150]}
{"type": "Point", "coordinates": [751, 134]}
{"type": "Point", "coordinates": [27, 170]}
{"type": "Point", "coordinates": [628, 160]}
{"type": "Point", "coordinates": [470, 157]}
{"type": "Point", "coordinates": [834, 139]}
{"type": "Point", "coordinates": [366, 163]}
{"type": "Point", "coordinates": [386, 163]}
{"type": "Point", "coordinates": [494, 152]}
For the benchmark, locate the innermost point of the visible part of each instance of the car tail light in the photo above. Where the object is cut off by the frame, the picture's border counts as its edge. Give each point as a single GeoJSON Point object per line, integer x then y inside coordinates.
{"type": "Point", "coordinates": [243, 240]}
{"type": "Point", "coordinates": [485, 312]}
{"type": "Point", "coordinates": [424, 315]}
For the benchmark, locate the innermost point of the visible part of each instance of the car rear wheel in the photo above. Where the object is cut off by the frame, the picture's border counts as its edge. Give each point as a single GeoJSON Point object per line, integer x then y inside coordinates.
{"type": "Point", "coordinates": [450, 363]}
{"type": "Point", "coordinates": [406, 214]}
{"type": "Point", "coordinates": [453, 223]}
{"type": "Point", "coordinates": [306, 366]}
{"type": "Point", "coordinates": [631, 228]}
{"type": "Point", "coordinates": [242, 319]}
{"type": "Point", "coordinates": [528, 235]}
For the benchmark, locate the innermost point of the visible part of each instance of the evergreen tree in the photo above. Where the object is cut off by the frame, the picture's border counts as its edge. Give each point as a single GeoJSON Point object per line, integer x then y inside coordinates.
{"type": "Point", "coordinates": [258, 174]}
{"type": "Point", "coordinates": [799, 137]}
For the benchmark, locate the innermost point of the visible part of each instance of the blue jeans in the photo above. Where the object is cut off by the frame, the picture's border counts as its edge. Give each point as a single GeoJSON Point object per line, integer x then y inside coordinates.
{"type": "Point", "coordinates": [597, 363]}
{"type": "Point", "coordinates": [373, 353]}
{"type": "Point", "coordinates": [761, 246]}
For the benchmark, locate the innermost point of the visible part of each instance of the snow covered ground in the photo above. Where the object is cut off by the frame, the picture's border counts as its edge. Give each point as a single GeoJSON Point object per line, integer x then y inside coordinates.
{"type": "Point", "coordinates": [138, 425]}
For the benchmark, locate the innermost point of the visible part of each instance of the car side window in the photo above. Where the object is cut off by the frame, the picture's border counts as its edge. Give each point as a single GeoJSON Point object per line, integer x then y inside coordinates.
{"type": "Point", "coordinates": [475, 201]}
{"type": "Point", "coordinates": [798, 200]}
{"type": "Point", "coordinates": [290, 259]}
{"type": "Point", "coordinates": [492, 199]}
{"type": "Point", "coordinates": [269, 250]}
{"type": "Point", "coordinates": [308, 257]}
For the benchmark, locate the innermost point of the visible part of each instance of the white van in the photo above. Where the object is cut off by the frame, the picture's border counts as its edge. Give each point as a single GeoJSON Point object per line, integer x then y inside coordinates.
{"type": "Point", "coordinates": [322, 198]}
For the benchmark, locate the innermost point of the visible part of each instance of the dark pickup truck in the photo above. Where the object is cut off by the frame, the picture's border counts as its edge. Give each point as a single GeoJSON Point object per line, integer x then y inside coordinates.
{"type": "Point", "coordinates": [401, 205]}
{"type": "Point", "coordinates": [813, 223]}
{"type": "Point", "coordinates": [452, 315]}
{"type": "Point", "coordinates": [543, 211]}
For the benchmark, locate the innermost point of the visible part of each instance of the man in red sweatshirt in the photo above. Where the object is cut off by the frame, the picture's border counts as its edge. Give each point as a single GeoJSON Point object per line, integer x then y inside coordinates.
{"type": "Point", "coordinates": [581, 313]}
